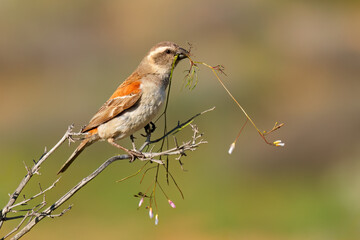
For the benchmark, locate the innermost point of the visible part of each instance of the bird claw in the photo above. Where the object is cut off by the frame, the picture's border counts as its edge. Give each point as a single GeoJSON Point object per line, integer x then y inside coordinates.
{"type": "Point", "coordinates": [132, 158]}
{"type": "Point", "coordinates": [134, 155]}
{"type": "Point", "coordinates": [149, 129]}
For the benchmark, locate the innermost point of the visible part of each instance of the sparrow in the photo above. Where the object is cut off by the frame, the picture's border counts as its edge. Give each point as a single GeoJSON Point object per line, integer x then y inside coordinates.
{"type": "Point", "coordinates": [135, 102]}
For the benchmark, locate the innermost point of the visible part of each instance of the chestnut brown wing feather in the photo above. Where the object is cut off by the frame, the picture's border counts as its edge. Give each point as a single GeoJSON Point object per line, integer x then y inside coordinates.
{"type": "Point", "coordinates": [112, 108]}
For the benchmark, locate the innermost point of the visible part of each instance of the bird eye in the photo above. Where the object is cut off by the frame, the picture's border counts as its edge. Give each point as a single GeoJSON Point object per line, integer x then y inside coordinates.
{"type": "Point", "coordinates": [168, 51]}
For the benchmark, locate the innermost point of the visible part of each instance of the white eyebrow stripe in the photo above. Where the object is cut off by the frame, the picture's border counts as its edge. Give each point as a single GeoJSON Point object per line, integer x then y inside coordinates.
{"type": "Point", "coordinates": [158, 50]}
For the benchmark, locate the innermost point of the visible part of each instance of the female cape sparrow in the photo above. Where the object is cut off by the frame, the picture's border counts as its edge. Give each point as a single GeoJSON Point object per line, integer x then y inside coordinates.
{"type": "Point", "coordinates": [135, 102]}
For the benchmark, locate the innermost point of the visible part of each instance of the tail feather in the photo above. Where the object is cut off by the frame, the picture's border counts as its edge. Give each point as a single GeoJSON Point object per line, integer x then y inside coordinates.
{"type": "Point", "coordinates": [76, 153]}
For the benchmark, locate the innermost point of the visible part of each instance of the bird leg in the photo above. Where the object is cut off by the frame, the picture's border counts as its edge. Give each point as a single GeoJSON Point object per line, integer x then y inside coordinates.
{"type": "Point", "coordinates": [133, 154]}
{"type": "Point", "coordinates": [132, 138]}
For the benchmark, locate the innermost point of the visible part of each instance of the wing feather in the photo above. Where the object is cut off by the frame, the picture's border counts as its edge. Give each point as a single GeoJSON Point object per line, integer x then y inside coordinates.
{"type": "Point", "coordinates": [110, 109]}
{"type": "Point", "coordinates": [126, 96]}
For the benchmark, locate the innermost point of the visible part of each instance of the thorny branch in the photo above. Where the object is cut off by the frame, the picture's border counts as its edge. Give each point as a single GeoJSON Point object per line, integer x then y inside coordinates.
{"type": "Point", "coordinates": [35, 214]}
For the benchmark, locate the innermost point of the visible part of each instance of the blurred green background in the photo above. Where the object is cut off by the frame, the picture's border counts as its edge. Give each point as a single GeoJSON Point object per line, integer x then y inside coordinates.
{"type": "Point", "coordinates": [296, 62]}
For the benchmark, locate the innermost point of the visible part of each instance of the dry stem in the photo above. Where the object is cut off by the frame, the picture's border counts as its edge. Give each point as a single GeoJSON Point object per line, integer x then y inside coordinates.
{"type": "Point", "coordinates": [34, 215]}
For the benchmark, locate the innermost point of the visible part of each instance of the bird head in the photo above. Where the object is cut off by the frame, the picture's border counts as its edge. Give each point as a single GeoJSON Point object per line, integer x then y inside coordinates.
{"type": "Point", "coordinates": [161, 57]}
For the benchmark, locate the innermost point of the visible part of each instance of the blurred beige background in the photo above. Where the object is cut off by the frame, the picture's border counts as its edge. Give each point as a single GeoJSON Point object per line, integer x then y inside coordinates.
{"type": "Point", "coordinates": [296, 62]}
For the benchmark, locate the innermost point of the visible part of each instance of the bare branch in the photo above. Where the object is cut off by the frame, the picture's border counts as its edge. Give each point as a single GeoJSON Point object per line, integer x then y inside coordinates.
{"type": "Point", "coordinates": [17, 227]}
{"type": "Point", "coordinates": [61, 213]}
{"type": "Point", "coordinates": [68, 195]}
{"type": "Point", "coordinates": [26, 179]}
{"type": "Point", "coordinates": [34, 215]}
{"type": "Point", "coordinates": [35, 196]}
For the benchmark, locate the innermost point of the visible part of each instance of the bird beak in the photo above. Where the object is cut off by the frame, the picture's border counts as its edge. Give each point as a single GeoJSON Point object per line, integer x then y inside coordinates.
{"type": "Point", "coordinates": [182, 53]}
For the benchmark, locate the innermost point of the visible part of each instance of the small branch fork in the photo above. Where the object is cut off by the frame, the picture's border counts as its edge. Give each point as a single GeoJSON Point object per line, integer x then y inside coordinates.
{"type": "Point", "coordinates": [190, 145]}
{"type": "Point", "coordinates": [30, 173]}
{"type": "Point", "coordinates": [35, 214]}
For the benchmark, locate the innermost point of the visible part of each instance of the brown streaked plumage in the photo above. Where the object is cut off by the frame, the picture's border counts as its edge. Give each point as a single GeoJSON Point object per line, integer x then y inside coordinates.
{"type": "Point", "coordinates": [112, 108]}
{"type": "Point", "coordinates": [135, 102]}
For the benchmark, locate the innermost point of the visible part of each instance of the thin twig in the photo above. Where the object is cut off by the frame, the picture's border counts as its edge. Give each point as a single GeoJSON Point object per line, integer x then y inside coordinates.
{"type": "Point", "coordinates": [26, 179]}
{"type": "Point", "coordinates": [68, 195]}
{"type": "Point", "coordinates": [181, 126]}
{"type": "Point", "coordinates": [35, 215]}
{"type": "Point", "coordinates": [35, 196]}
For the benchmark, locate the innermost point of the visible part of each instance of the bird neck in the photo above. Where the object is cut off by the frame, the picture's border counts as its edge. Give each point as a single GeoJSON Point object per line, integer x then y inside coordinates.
{"type": "Point", "coordinates": [155, 73]}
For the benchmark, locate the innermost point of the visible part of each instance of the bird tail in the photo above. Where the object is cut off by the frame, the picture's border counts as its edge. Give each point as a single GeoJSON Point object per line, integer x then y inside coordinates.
{"type": "Point", "coordinates": [86, 142]}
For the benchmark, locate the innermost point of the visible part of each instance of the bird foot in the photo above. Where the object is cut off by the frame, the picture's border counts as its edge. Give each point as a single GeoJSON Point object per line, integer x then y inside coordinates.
{"type": "Point", "coordinates": [133, 153]}
{"type": "Point", "coordinates": [149, 129]}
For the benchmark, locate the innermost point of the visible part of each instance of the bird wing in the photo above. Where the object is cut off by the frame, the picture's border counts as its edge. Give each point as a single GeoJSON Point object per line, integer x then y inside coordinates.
{"type": "Point", "coordinates": [125, 96]}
